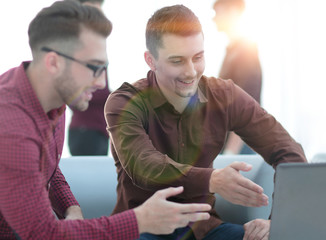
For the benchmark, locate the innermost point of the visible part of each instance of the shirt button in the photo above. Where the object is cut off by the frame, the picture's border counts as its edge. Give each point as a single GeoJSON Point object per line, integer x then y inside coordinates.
{"type": "Point", "coordinates": [59, 156]}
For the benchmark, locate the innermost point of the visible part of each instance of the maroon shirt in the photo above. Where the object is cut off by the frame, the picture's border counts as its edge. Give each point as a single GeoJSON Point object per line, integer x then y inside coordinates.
{"type": "Point", "coordinates": [154, 146]}
{"type": "Point", "coordinates": [31, 183]}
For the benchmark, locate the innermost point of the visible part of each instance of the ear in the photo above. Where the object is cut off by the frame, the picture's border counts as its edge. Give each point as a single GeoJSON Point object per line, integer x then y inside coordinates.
{"type": "Point", "coordinates": [53, 63]}
{"type": "Point", "coordinates": [150, 60]}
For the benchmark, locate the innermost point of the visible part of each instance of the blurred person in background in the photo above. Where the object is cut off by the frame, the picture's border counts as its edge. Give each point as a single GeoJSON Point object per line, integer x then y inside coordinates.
{"type": "Point", "coordinates": [241, 62]}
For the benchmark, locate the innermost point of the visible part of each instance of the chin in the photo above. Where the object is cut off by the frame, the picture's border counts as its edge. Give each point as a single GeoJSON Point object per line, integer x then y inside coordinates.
{"type": "Point", "coordinates": [187, 94]}
{"type": "Point", "coordinates": [83, 108]}
{"type": "Point", "coordinates": [80, 107]}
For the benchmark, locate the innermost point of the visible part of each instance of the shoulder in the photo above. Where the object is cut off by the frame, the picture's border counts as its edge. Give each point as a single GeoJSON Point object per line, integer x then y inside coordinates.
{"type": "Point", "coordinates": [223, 92]}
{"type": "Point", "coordinates": [15, 119]}
{"type": "Point", "coordinates": [216, 86]}
{"type": "Point", "coordinates": [128, 95]}
{"type": "Point", "coordinates": [131, 90]}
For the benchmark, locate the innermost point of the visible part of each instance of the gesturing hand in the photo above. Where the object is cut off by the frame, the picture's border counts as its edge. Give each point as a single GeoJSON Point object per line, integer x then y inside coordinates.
{"type": "Point", "coordinates": [234, 187]}
{"type": "Point", "coordinates": [159, 216]}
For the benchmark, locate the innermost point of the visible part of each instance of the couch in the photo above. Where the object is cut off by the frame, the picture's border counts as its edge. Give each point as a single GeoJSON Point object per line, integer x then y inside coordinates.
{"type": "Point", "coordinates": [93, 181]}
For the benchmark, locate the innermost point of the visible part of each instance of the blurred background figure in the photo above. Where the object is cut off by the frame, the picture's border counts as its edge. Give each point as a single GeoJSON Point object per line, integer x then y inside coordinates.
{"type": "Point", "coordinates": [87, 134]}
{"type": "Point", "coordinates": [241, 62]}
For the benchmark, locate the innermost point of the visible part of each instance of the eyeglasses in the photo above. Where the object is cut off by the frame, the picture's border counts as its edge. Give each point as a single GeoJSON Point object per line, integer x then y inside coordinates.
{"type": "Point", "coordinates": [97, 69]}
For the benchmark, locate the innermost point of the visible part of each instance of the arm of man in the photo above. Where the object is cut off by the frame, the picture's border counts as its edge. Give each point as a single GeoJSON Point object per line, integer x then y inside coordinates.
{"type": "Point", "coordinates": [25, 204]}
{"type": "Point", "coordinates": [265, 135]}
{"type": "Point", "coordinates": [63, 201]}
{"type": "Point", "coordinates": [148, 168]}
{"type": "Point", "coordinates": [26, 207]}
{"type": "Point", "coordinates": [261, 131]}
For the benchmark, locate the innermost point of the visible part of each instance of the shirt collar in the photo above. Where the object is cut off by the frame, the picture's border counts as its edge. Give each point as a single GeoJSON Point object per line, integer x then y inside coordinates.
{"type": "Point", "coordinates": [156, 96]}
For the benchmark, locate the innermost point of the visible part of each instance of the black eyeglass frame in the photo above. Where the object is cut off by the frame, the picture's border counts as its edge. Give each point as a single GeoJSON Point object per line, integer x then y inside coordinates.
{"type": "Point", "coordinates": [97, 69]}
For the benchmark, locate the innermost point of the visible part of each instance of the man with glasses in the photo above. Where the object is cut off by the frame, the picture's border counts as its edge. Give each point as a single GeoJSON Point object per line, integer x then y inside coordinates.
{"type": "Point", "coordinates": [68, 43]}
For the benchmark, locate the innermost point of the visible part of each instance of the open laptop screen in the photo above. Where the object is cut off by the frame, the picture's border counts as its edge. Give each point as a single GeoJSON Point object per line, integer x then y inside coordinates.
{"type": "Point", "coordinates": [299, 204]}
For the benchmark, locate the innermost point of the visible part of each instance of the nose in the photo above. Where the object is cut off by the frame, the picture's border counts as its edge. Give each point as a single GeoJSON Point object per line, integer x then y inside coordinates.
{"type": "Point", "coordinates": [101, 81]}
{"type": "Point", "coordinates": [190, 70]}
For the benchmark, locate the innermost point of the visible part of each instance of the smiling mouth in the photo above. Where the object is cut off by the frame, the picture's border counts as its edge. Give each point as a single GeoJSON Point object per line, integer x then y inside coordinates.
{"type": "Point", "coordinates": [187, 82]}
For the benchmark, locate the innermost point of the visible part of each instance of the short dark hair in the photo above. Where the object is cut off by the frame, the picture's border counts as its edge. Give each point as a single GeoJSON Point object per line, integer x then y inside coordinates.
{"type": "Point", "coordinates": [239, 4]}
{"type": "Point", "coordinates": [176, 19]}
{"type": "Point", "coordinates": [63, 22]}
{"type": "Point", "coordinates": [91, 1]}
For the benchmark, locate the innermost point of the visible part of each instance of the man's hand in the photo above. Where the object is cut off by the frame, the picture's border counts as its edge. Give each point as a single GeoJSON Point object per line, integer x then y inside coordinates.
{"type": "Point", "coordinates": [235, 188]}
{"type": "Point", "coordinates": [257, 229]}
{"type": "Point", "coordinates": [73, 213]}
{"type": "Point", "coordinates": [159, 216]}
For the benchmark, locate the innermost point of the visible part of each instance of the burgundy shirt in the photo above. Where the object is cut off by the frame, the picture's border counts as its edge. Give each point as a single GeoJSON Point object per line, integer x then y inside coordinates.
{"type": "Point", "coordinates": [31, 183]}
{"type": "Point", "coordinates": [154, 146]}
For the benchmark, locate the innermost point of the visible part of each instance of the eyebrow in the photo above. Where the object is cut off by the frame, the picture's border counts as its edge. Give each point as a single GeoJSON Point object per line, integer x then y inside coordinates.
{"type": "Point", "coordinates": [97, 62]}
{"type": "Point", "coordinates": [173, 57]}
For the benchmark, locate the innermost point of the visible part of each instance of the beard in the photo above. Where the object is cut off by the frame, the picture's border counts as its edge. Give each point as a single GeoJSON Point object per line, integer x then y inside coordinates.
{"type": "Point", "coordinates": [71, 95]}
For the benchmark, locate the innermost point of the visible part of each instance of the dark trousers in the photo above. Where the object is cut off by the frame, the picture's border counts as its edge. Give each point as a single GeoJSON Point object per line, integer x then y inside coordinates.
{"type": "Point", "coordinates": [226, 231]}
{"type": "Point", "coordinates": [82, 141]}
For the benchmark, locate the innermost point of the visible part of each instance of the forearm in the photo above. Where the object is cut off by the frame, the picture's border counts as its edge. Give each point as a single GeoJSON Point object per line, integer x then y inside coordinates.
{"type": "Point", "coordinates": [261, 131]}
{"type": "Point", "coordinates": [73, 213]}
{"type": "Point", "coordinates": [31, 216]}
{"type": "Point", "coordinates": [151, 170]}
{"type": "Point", "coordinates": [277, 146]}
{"type": "Point", "coordinates": [60, 194]}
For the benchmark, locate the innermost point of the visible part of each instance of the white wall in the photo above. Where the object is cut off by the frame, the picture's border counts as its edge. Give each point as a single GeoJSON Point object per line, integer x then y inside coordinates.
{"type": "Point", "coordinates": [290, 34]}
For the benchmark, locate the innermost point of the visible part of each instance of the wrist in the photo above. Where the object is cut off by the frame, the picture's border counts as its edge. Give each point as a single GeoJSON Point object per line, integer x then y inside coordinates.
{"type": "Point", "coordinates": [140, 216]}
{"type": "Point", "coordinates": [214, 181]}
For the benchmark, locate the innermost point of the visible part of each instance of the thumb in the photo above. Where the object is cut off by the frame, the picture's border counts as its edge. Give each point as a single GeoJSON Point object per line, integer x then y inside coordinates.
{"type": "Point", "coordinates": [241, 166]}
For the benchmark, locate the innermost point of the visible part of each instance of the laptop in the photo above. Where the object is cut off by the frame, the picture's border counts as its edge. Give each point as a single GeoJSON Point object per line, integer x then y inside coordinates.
{"type": "Point", "coordinates": [299, 204]}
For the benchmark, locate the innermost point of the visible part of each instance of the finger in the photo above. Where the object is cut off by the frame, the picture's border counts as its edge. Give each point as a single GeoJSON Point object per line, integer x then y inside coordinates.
{"type": "Point", "coordinates": [251, 198]}
{"type": "Point", "coordinates": [194, 217]}
{"type": "Point", "coordinates": [254, 234]}
{"type": "Point", "coordinates": [247, 183]}
{"type": "Point", "coordinates": [261, 233]}
{"type": "Point", "coordinates": [248, 227]}
{"type": "Point", "coordinates": [241, 166]}
{"type": "Point", "coordinates": [169, 192]}
{"type": "Point", "coordinates": [193, 207]}
{"type": "Point", "coordinates": [266, 237]}
{"type": "Point", "coordinates": [256, 229]}
{"type": "Point", "coordinates": [247, 201]}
